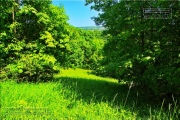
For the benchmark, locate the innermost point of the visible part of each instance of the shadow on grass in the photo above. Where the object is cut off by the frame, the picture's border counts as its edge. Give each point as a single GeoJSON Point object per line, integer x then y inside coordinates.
{"type": "Point", "coordinates": [104, 91]}
{"type": "Point", "coordinates": [116, 94]}
{"type": "Point", "coordinates": [97, 90]}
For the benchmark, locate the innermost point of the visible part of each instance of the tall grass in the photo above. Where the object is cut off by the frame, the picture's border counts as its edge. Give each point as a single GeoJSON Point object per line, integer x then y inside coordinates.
{"type": "Point", "coordinates": [77, 95]}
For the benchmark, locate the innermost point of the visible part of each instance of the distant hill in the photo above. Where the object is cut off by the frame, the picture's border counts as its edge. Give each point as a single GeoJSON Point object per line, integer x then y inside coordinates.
{"type": "Point", "coordinates": [92, 28]}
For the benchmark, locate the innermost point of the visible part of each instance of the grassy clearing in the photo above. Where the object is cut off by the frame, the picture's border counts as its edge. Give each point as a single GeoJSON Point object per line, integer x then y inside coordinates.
{"type": "Point", "coordinates": [78, 95]}
{"type": "Point", "coordinates": [81, 73]}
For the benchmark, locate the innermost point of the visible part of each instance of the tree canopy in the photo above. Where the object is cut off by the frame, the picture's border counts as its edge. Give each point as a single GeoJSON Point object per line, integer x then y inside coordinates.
{"type": "Point", "coordinates": [146, 51]}
{"type": "Point", "coordinates": [35, 36]}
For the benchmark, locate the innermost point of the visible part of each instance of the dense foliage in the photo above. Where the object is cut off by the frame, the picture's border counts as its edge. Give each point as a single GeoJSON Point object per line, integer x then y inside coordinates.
{"type": "Point", "coordinates": [33, 68]}
{"type": "Point", "coordinates": [145, 51]}
{"type": "Point", "coordinates": [85, 50]}
{"type": "Point", "coordinates": [35, 37]}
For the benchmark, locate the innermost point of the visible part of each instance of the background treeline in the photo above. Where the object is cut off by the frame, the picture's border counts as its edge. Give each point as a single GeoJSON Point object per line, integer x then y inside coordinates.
{"type": "Point", "coordinates": [36, 39]}
{"type": "Point", "coordinates": [145, 51]}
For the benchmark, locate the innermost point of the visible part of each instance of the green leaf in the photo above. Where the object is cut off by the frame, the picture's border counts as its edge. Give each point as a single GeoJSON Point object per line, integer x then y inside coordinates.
{"type": "Point", "coordinates": [20, 71]}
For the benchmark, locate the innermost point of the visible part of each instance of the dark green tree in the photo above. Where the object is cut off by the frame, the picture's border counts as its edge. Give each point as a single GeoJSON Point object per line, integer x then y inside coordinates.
{"type": "Point", "coordinates": [145, 51]}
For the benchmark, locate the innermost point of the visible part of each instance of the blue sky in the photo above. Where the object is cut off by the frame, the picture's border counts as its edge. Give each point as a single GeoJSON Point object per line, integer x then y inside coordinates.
{"type": "Point", "coordinates": [79, 14]}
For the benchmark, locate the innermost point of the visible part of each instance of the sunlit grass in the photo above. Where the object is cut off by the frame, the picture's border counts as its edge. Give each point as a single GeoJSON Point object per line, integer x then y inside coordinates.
{"type": "Point", "coordinates": [51, 100]}
{"type": "Point", "coordinates": [76, 95]}
{"type": "Point", "coordinates": [81, 73]}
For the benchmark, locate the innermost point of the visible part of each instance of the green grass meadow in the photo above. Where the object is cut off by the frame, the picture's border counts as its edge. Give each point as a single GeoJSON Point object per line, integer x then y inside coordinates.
{"type": "Point", "coordinates": [75, 94]}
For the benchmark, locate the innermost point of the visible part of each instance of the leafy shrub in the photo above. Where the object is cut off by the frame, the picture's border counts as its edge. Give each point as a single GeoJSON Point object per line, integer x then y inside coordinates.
{"type": "Point", "coordinates": [161, 80]}
{"type": "Point", "coordinates": [33, 68]}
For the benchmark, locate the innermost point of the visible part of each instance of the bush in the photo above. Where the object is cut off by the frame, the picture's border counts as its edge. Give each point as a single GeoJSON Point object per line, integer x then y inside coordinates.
{"type": "Point", "coordinates": [33, 68]}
